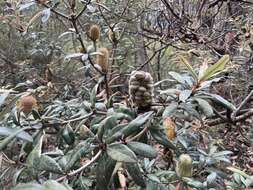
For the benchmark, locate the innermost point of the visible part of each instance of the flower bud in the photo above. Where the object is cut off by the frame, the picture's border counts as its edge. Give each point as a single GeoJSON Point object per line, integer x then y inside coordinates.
{"type": "Point", "coordinates": [170, 128]}
{"type": "Point", "coordinates": [26, 104]}
{"type": "Point", "coordinates": [184, 166]}
{"type": "Point", "coordinates": [94, 32]}
{"type": "Point", "coordinates": [102, 59]}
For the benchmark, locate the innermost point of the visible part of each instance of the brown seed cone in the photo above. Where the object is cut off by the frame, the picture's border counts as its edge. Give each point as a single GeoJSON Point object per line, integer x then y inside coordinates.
{"type": "Point", "coordinates": [102, 59]}
{"type": "Point", "coordinates": [184, 166]}
{"type": "Point", "coordinates": [140, 90]}
{"type": "Point", "coordinates": [94, 32]}
{"type": "Point", "coordinates": [27, 103]}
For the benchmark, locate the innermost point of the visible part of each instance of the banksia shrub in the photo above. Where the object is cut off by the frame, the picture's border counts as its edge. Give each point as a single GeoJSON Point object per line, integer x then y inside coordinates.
{"type": "Point", "coordinates": [184, 166]}
{"type": "Point", "coordinates": [94, 32]}
{"type": "Point", "coordinates": [170, 128]}
{"type": "Point", "coordinates": [141, 89]}
{"type": "Point", "coordinates": [27, 103]}
{"type": "Point", "coordinates": [102, 59]}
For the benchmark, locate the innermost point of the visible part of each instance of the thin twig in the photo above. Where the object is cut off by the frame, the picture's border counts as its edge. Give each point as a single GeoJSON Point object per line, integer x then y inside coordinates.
{"type": "Point", "coordinates": [81, 168]}
{"type": "Point", "coordinates": [241, 105]}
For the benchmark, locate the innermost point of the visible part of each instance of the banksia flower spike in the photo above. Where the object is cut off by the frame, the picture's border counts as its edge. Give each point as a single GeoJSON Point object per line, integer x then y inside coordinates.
{"type": "Point", "coordinates": [141, 89]}
{"type": "Point", "coordinates": [184, 166]}
{"type": "Point", "coordinates": [170, 128]}
{"type": "Point", "coordinates": [103, 58]}
{"type": "Point", "coordinates": [27, 103]}
{"type": "Point", "coordinates": [94, 33]}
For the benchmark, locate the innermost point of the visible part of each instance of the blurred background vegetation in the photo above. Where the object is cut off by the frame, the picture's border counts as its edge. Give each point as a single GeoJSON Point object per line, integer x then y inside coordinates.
{"type": "Point", "coordinates": [46, 50]}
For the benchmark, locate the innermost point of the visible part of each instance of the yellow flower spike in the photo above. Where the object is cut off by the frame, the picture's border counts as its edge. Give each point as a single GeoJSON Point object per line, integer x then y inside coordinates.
{"type": "Point", "coordinates": [184, 166]}
{"type": "Point", "coordinates": [102, 59]}
{"type": "Point", "coordinates": [170, 128]}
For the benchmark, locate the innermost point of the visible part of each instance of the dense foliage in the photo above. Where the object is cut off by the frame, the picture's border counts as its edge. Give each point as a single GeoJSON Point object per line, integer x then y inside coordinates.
{"type": "Point", "coordinates": [103, 94]}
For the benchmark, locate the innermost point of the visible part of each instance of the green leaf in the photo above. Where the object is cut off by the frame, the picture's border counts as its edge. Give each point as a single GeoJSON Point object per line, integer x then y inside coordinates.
{"type": "Point", "coordinates": [184, 95]}
{"type": "Point", "coordinates": [79, 151]}
{"type": "Point", "coordinates": [121, 153]}
{"type": "Point", "coordinates": [193, 183]}
{"type": "Point", "coordinates": [177, 77]}
{"type": "Point", "coordinates": [153, 185]}
{"type": "Point", "coordinates": [161, 138]}
{"type": "Point", "coordinates": [169, 110]}
{"type": "Point", "coordinates": [49, 164]}
{"type": "Point", "coordinates": [104, 172]}
{"type": "Point", "coordinates": [211, 178]}
{"type": "Point", "coordinates": [218, 99]}
{"type": "Point", "coordinates": [3, 97]}
{"type": "Point", "coordinates": [93, 95]}
{"type": "Point", "coordinates": [220, 65]}
{"type": "Point", "coordinates": [205, 107]}
{"type": "Point", "coordinates": [6, 131]}
{"type": "Point", "coordinates": [132, 127]}
{"type": "Point", "coordinates": [68, 135]}
{"type": "Point", "coordinates": [29, 186]}
{"type": "Point", "coordinates": [106, 124]}
{"type": "Point", "coordinates": [33, 159]}
{"type": "Point", "coordinates": [142, 149]}
{"type": "Point", "coordinates": [222, 153]}
{"type": "Point", "coordinates": [242, 173]}
{"type": "Point", "coordinates": [189, 67]}
{"type": "Point", "coordinates": [54, 185]}
{"type": "Point", "coordinates": [8, 139]}
{"type": "Point", "coordinates": [135, 172]}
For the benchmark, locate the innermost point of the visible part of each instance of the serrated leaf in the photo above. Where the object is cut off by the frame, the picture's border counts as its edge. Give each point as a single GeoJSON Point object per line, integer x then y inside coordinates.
{"type": "Point", "coordinates": [26, 5]}
{"type": "Point", "coordinates": [108, 123]}
{"type": "Point", "coordinates": [54, 185]}
{"type": "Point", "coordinates": [153, 185]}
{"type": "Point", "coordinates": [222, 153]}
{"type": "Point", "coordinates": [93, 94]}
{"type": "Point", "coordinates": [8, 139]}
{"type": "Point", "coordinates": [142, 149]}
{"type": "Point", "coordinates": [184, 95]}
{"type": "Point", "coordinates": [242, 173]}
{"type": "Point", "coordinates": [211, 178]}
{"type": "Point", "coordinates": [79, 151]}
{"type": "Point", "coordinates": [135, 172]}
{"type": "Point", "coordinates": [73, 55]}
{"type": "Point", "coordinates": [3, 97]}
{"type": "Point", "coordinates": [205, 107]}
{"type": "Point", "coordinates": [222, 101]}
{"type": "Point", "coordinates": [85, 57]}
{"type": "Point", "coordinates": [29, 186]}
{"type": "Point", "coordinates": [49, 164]}
{"type": "Point", "coordinates": [33, 159]}
{"type": "Point", "coordinates": [169, 110]}
{"type": "Point", "coordinates": [104, 171]}
{"type": "Point", "coordinates": [161, 138]}
{"type": "Point", "coordinates": [45, 15]}
{"type": "Point", "coordinates": [121, 153]}
{"type": "Point", "coordinates": [6, 131]}
{"type": "Point", "coordinates": [193, 182]}
{"type": "Point", "coordinates": [220, 65]}
{"type": "Point", "coordinates": [189, 67]}
{"type": "Point", "coordinates": [132, 127]}
{"type": "Point", "coordinates": [177, 77]}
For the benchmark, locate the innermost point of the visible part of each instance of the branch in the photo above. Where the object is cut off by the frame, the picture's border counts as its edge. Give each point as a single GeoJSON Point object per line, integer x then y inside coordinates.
{"type": "Point", "coordinates": [241, 105]}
